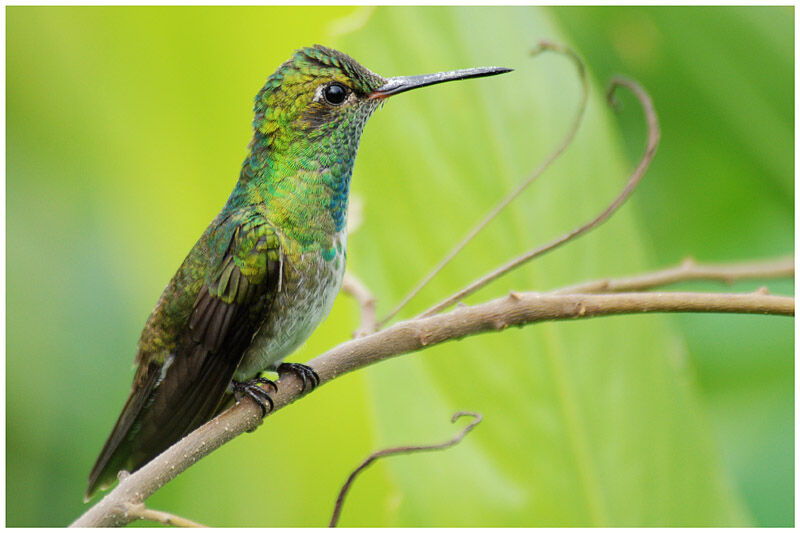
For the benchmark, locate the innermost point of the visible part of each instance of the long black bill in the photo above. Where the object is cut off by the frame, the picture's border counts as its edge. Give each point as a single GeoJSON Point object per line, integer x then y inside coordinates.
{"type": "Point", "coordinates": [402, 84]}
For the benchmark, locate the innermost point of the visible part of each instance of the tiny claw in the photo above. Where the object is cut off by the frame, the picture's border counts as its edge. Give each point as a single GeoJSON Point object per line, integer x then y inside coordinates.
{"type": "Point", "coordinates": [265, 381]}
{"type": "Point", "coordinates": [304, 372]}
{"type": "Point", "coordinates": [257, 394]}
{"type": "Point", "coordinates": [261, 393]}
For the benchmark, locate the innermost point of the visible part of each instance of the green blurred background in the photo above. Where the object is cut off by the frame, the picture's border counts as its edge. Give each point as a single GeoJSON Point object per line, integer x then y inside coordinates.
{"type": "Point", "coordinates": [125, 131]}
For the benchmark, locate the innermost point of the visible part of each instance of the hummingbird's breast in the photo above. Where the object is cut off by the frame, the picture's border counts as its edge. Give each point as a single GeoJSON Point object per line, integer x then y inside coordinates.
{"type": "Point", "coordinates": [309, 284]}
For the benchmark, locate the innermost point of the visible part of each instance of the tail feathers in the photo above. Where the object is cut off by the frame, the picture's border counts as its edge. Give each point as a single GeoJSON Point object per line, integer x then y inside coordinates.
{"type": "Point", "coordinates": [115, 455]}
{"type": "Point", "coordinates": [161, 412]}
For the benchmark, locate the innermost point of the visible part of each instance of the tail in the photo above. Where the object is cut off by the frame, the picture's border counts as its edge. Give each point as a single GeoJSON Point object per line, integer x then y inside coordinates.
{"type": "Point", "coordinates": [164, 408]}
{"type": "Point", "coordinates": [116, 455]}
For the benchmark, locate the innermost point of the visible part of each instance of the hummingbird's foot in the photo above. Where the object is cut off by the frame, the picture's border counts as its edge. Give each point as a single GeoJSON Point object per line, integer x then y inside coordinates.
{"type": "Point", "coordinates": [304, 372]}
{"type": "Point", "coordinates": [260, 396]}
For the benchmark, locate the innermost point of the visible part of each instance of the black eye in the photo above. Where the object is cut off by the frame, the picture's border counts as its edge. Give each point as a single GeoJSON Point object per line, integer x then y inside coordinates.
{"type": "Point", "coordinates": [334, 94]}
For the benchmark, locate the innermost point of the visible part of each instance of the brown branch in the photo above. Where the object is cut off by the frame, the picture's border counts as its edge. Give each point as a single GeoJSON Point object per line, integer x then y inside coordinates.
{"type": "Point", "coordinates": [366, 302]}
{"type": "Point", "coordinates": [140, 512]}
{"type": "Point", "coordinates": [653, 136]}
{"type": "Point", "coordinates": [543, 46]}
{"type": "Point", "coordinates": [689, 270]}
{"type": "Point", "coordinates": [401, 450]}
{"type": "Point", "coordinates": [516, 309]}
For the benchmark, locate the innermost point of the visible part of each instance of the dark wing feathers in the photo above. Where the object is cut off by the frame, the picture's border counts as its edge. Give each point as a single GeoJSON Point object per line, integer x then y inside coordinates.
{"type": "Point", "coordinates": [180, 394]}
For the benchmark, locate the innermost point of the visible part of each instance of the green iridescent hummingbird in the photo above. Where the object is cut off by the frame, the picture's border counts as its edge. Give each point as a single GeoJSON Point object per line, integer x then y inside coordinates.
{"type": "Point", "coordinates": [267, 269]}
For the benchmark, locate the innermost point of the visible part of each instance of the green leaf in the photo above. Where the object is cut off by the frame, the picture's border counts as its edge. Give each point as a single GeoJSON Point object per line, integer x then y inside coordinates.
{"type": "Point", "coordinates": [721, 188]}
{"type": "Point", "coordinates": [590, 423]}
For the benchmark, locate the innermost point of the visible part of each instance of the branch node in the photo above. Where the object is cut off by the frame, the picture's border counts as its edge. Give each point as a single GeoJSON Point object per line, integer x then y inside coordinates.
{"type": "Point", "coordinates": [500, 324]}
{"type": "Point", "coordinates": [423, 339]}
{"type": "Point", "coordinates": [366, 301]}
{"type": "Point", "coordinates": [138, 511]}
{"type": "Point", "coordinates": [761, 290]}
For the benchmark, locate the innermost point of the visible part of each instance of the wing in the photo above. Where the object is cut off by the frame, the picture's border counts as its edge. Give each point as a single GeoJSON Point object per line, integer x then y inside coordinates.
{"type": "Point", "coordinates": [189, 351]}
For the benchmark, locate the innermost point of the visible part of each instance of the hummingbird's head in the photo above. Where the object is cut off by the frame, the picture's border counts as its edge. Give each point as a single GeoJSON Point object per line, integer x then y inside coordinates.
{"type": "Point", "coordinates": [325, 96]}
{"type": "Point", "coordinates": [319, 94]}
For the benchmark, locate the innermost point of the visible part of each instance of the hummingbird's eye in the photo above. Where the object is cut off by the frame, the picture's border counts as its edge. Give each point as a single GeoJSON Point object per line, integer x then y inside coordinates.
{"type": "Point", "coordinates": [335, 93]}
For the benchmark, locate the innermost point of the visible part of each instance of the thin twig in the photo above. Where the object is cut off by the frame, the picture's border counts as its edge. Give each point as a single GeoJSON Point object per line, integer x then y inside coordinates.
{"type": "Point", "coordinates": [516, 309]}
{"type": "Point", "coordinates": [568, 138]}
{"type": "Point", "coordinates": [653, 136]}
{"type": "Point", "coordinates": [139, 511]}
{"type": "Point", "coordinates": [401, 450]}
{"type": "Point", "coordinates": [689, 270]}
{"type": "Point", "coordinates": [366, 302]}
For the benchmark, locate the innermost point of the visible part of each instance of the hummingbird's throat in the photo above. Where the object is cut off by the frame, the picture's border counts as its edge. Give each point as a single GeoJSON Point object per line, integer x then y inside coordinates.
{"type": "Point", "coordinates": [305, 183]}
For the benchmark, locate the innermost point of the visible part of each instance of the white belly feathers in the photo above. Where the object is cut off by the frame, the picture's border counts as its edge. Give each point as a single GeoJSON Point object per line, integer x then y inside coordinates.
{"type": "Point", "coordinates": [308, 290]}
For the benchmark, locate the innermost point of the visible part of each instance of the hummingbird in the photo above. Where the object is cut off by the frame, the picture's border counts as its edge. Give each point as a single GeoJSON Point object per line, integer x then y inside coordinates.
{"type": "Point", "coordinates": [265, 272]}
